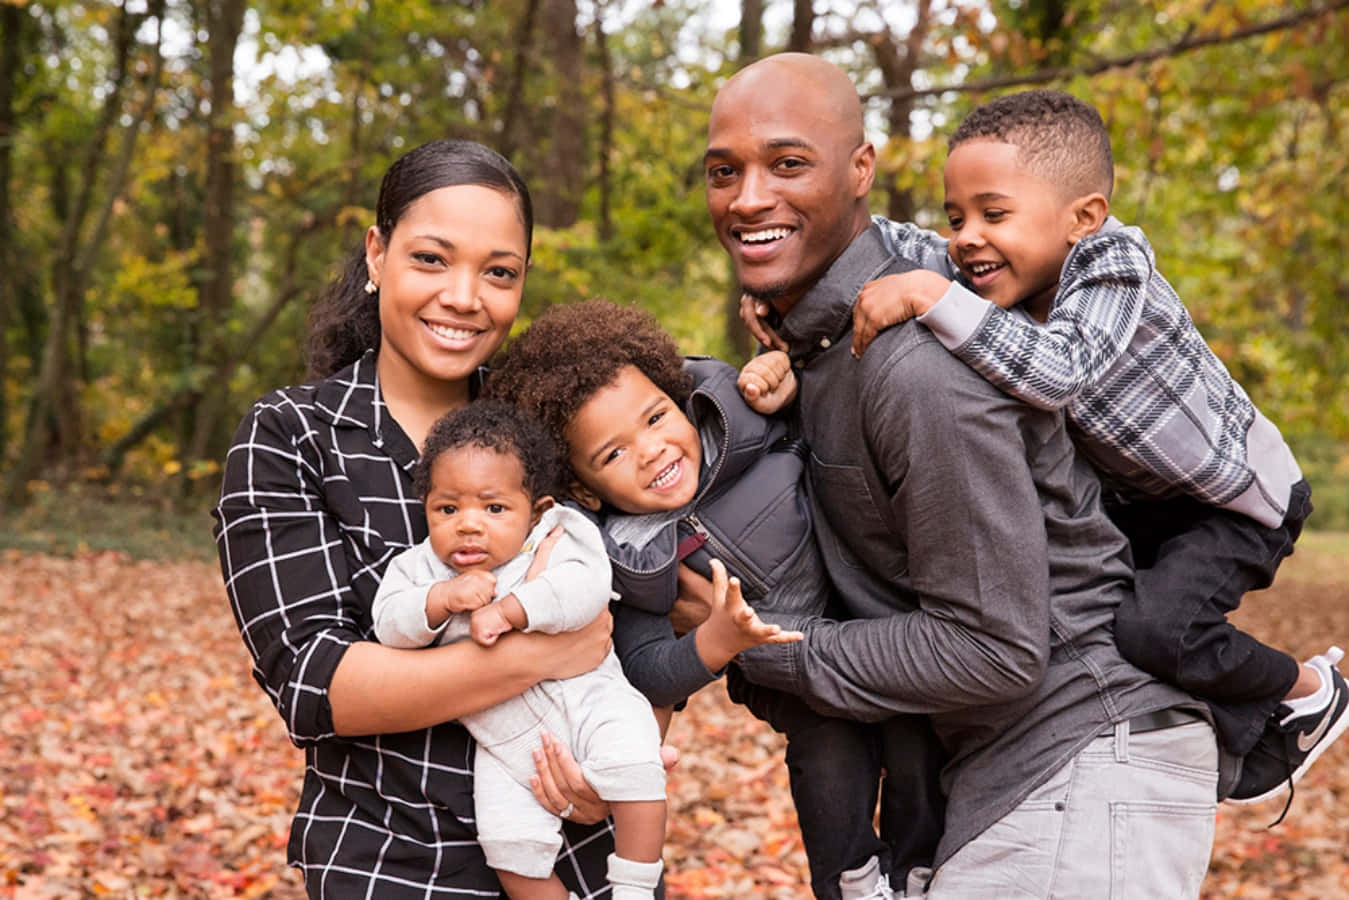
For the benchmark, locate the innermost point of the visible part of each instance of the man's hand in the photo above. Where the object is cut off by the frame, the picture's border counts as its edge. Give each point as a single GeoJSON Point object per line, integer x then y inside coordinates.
{"type": "Point", "coordinates": [893, 299]}
{"type": "Point", "coordinates": [488, 623]}
{"type": "Point", "coordinates": [754, 313]}
{"type": "Point", "coordinates": [767, 382]}
{"type": "Point", "coordinates": [462, 593]}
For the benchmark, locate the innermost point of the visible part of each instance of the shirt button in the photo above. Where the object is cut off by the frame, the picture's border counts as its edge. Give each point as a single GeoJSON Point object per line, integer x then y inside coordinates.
{"type": "Point", "coordinates": [825, 342]}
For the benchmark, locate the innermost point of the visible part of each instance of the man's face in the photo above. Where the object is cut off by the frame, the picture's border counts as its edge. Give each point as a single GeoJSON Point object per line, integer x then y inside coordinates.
{"type": "Point", "coordinates": [783, 183]}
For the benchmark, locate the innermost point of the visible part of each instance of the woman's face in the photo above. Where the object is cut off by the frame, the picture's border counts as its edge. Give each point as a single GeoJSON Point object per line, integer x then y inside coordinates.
{"type": "Point", "coordinates": [450, 280]}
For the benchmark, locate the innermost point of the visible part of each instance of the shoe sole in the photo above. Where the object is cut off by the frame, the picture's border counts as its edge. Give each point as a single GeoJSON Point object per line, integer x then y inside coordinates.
{"type": "Point", "coordinates": [1331, 735]}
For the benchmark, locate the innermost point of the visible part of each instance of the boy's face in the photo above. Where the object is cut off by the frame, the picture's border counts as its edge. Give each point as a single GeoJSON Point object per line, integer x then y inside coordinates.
{"type": "Point", "coordinates": [633, 447]}
{"type": "Point", "coordinates": [1011, 230]}
{"type": "Point", "coordinates": [477, 510]}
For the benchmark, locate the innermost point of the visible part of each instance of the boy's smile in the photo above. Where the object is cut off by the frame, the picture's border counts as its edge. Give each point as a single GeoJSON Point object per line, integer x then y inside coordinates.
{"type": "Point", "coordinates": [633, 447]}
{"type": "Point", "coordinates": [1010, 229]}
{"type": "Point", "coordinates": [478, 513]}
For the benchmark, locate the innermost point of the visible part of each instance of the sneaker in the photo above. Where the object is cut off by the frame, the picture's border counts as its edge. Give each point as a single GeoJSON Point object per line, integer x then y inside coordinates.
{"type": "Point", "coordinates": [866, 882]}
{"type": "Point", "coordinates": [1290, 745]}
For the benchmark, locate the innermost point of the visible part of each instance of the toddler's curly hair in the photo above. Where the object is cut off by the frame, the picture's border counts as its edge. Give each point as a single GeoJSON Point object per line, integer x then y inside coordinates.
{"type": "Point", "coordinates": [499, 426]}
{"type": "Point", "coordinates": [574, 350]}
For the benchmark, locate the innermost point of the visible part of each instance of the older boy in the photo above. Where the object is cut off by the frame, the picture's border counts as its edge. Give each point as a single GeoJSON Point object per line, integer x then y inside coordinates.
{"type": "Point", "coordinates": [1059, 305]}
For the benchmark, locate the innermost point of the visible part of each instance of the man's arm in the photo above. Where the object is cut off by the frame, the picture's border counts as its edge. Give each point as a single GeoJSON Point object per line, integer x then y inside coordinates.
{"type": "Point", "coordinates": [955, 451]}
{"type": "Point", "coordinates": [1094, 317]}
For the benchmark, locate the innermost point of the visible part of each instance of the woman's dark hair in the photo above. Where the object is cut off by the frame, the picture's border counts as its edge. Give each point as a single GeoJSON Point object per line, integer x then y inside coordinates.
{"type": "Point", "coordinates": [344, 322]}
{"type": "Point", "coordinates": [495, 425]}
{"type": "Point", "coordinates": [573, 351]}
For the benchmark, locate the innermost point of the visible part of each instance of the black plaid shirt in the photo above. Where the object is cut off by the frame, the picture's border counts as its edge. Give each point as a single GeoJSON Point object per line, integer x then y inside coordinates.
{"type": "Point", "coordinates": [317, 498]}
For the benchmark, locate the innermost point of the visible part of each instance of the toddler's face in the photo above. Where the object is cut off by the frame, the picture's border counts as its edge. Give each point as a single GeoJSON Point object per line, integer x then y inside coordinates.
{"type": "Point", "coordinates": [477, 510]}
{"type": "Point", "coordinates": [1009, 228]}
{"type": "Point", "coordinates": [634, 448]}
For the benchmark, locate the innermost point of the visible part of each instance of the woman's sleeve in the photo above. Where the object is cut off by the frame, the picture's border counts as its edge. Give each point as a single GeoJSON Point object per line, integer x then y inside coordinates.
{"type": "Point", "coordinates": [283, 564]}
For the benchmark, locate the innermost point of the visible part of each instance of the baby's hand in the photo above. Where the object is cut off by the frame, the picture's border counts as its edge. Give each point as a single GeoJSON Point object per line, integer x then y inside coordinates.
{"type": "Point", "coordinates": [733, 625]}
{"type": "Point", "coordinates": [767, 382]}
{"type": "Point", "coordinates": [487, 624]}
{"type": "Point", "coordinates": [893, 299]}
{"type": "Point", "coordinates": [466, 592]}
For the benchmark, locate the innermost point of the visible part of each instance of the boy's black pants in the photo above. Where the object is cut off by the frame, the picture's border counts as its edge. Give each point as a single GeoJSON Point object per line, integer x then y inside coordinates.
{"type": "Point", "coordinates": [1194, 562]}
{"type": "Point", "coordinates": [835, 768]}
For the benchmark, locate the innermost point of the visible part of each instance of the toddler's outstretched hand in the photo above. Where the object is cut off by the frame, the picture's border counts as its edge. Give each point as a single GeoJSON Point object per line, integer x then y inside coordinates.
{"type": "Point", "coordinates": [767, 382]}
{"type": "Point", "coordinates": [893, 299]}
{"type": "Point", "coordinates": [733, 625]}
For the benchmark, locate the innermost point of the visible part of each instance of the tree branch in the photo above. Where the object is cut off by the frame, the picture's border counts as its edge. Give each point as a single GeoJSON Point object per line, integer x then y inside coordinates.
{"type": "Point", "coordinates": [1191, 41]}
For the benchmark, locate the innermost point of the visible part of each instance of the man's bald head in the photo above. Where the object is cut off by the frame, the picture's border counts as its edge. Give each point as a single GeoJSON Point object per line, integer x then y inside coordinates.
{"type": "Point", "coordinates": [807, 82]}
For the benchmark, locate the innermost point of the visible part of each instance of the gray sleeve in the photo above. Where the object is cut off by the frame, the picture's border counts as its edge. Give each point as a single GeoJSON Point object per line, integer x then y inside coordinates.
{"type": "Point", "coordinates": [575, 586]}
{"type": "Point", "coordinates": [956, 452]}
{"type": "Point", "coordinates": [665, 668]}
{"type": "Point", "coordinates": [399, 608]}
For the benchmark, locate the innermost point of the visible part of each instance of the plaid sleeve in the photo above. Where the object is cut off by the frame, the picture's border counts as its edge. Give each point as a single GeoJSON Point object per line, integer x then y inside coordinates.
{"type": "Point", "coordinates": [283, 565]}
{"type": "Point", "coordinates": [1095, 314]}
{"type": "Point", "coordinates": [925, 249]}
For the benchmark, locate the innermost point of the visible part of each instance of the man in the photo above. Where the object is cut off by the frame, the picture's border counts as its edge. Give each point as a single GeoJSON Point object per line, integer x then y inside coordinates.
{"type": "Point", "coordinates": [965, 538]}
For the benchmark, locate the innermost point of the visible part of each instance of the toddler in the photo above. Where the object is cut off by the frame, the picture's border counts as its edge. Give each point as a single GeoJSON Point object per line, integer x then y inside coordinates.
{"type": "Point", "coordinates": [680, 470]}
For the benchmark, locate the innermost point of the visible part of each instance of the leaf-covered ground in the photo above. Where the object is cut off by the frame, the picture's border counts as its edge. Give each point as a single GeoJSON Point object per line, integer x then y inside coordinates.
{"type": "Point", "coordinates": [139, 759]}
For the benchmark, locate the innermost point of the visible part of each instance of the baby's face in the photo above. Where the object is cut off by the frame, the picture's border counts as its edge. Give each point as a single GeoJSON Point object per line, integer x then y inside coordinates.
{"type": "Point", "coordinates": [1009, 228]}
{"type": "Point", "coordinates": [478, 512]}
{"type": "Point", "coordinates": [634, 448]}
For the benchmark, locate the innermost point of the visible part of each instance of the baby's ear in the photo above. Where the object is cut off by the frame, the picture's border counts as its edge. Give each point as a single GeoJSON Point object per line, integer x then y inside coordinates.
{"type": "Point", "coordinates": [584, 496]}
{"type": "Point", "coordinates": [541, 505]}
{"type": "Point", "coordinates": [1089, 214]}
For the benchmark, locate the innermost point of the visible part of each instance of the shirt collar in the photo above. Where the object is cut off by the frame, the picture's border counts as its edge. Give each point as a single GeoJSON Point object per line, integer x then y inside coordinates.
{"type": "Point", "coordinates": [824, 315]}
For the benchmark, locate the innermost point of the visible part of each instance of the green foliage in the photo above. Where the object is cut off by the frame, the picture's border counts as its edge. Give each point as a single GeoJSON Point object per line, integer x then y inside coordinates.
{"type": "Point", "coordinates": [1229, 155]}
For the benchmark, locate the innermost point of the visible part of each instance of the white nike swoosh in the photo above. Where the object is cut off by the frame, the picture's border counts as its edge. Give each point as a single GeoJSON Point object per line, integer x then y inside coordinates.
{"type": "Point", "coordinates": [1307, 739]}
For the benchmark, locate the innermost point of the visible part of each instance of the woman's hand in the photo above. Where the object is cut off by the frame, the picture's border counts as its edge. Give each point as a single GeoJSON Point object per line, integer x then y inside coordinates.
{"type": "Point", "coordinates": [560, 786]}
{"type": "Point", "coordinates": [567, 653]}
{"type": "Point", "coordinates": [545, 549]}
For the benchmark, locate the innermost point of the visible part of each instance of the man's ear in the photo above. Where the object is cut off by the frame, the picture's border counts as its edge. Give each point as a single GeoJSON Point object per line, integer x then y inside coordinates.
{"type": "Point", "coordinates": [864, 168]}
{"type": "Point", "coordinates": [584, 496]}
{"type": "Point", "coordinates": [1089, 214]}
{"type": "Point", "coordinates": [541, 505]}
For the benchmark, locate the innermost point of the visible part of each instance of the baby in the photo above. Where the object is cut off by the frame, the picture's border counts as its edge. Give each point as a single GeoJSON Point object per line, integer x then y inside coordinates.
{"type": "Point", "coordinates": [487, 474]}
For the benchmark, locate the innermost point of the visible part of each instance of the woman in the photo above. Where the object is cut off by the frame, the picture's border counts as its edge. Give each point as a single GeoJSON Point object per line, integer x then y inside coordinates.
{"type": "Point", "coordinates": [317, 497]}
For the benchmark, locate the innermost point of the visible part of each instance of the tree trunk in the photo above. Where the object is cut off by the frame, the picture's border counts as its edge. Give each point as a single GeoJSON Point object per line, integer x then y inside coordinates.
{"type": "Point", "coordinates": [524, 44]}
{"type": "Point", "coordinates": [897, 61]}
{"type": "Point", "coordinates": [557, 202]}
{"type": "Point", "coordinates": [606, 226]}
{"type": "Point", "coordinates": [11, 48]}
{"type": "Point", "coordinates": [224, 21]}
{"type": "Point", "coordinates": [803, 24]}
{"type": "Point", "coordinates": [751, 31]}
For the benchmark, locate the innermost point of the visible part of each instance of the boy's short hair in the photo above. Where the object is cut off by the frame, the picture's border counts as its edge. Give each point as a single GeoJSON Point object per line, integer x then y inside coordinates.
{"type": "Point", "coordinates": [498, 426]}
{"type": "Point", "coordinates": [1058, 137]}
{"type": "Point", "coordinates": [572, 351]}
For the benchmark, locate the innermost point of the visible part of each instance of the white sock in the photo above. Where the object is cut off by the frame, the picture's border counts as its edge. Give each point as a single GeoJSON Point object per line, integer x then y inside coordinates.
{"type": "Point", "coordinates": [1316, 702]}
{"type": "Point", "coordinates": [633, 880]}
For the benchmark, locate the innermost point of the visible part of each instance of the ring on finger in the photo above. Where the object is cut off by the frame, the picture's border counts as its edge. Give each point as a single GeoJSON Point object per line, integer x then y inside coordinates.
{"type": "Point", "coordinates": [568, 810]}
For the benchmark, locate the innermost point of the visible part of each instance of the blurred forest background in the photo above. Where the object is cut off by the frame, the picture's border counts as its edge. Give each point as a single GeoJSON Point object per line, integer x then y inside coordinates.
{"type": "Point", "coordinates": [178, 179]}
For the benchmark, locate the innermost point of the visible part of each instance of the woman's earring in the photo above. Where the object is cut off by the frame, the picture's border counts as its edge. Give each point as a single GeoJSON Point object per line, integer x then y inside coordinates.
{"type": "Point", "coordinates": [370, 286]}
